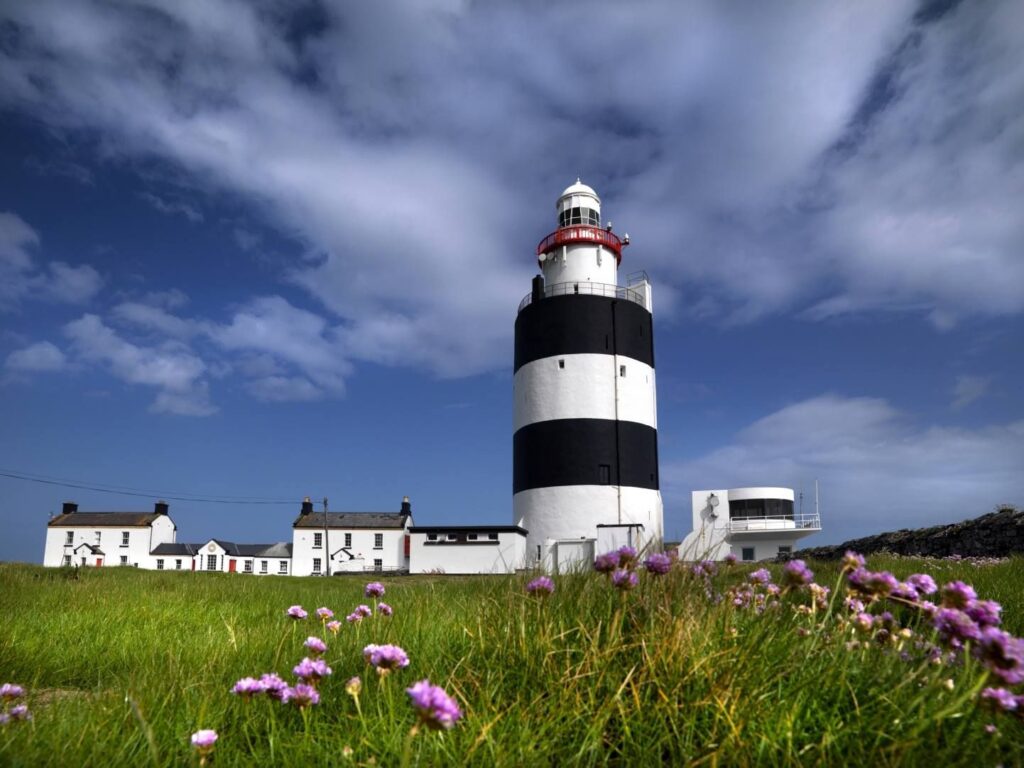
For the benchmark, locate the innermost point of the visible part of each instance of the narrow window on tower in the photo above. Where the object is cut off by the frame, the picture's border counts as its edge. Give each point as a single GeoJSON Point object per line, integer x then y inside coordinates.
{"type": "Point", "coordinates": [622, 371]}
{"type": "Point", "coordinates": [604, 474]}
{"type": "Point", "coordinates": [606, 341]}
{"type": "Point", "coordinates": [561, 363]}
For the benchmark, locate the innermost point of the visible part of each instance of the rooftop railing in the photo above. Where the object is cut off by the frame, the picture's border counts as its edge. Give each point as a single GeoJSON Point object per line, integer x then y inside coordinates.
{"type": "Point", "coordinates": [806, 522]}
{"type": "Point", "coordinates": [581, 233]}
{"type": "Point", "coordinates": [588, 288]}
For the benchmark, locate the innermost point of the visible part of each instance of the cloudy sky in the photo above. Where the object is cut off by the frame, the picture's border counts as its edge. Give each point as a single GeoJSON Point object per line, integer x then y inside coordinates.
{"type": "Point", "coordinates": [265, 250]}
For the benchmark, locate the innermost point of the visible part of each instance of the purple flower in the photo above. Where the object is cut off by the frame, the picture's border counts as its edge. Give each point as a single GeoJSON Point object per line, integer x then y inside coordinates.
{"type": "Point", "coordinates": [796, 573]}
{"type": "Point", "coordinates": [384, 609]}
{"type": "Point", "coordinates": [368, 652]}
{"type": "Point", "coordinates": [852, 561]}
{"type": "Point", "coordinates": [905, 591]}
{"type": "Point", "coordinates": [296, 612]}
{"type": "Point", "coordinates": [658, 564]}
{"type": "Point", "coordinates": [353, 686]}
{"type": "Point", "coordinates": [923, 583]}
{"type": "Point", "coordinates": [20, 712]}
{"type": "Point", "coordinates": [311, 669]}
{"type": "Point", "coordinates": [324, 613]}
{"type": "Point", "coordinates": [374, 589]}
{"type": "Point", "coordinates": [204, 740]}
{"type": "Point", "coordinates": [273, 685]}
{"type": "Point", "coordinates": [301, 695]}
{"type": "Point", "coordinates": [436, 708]}
{"type": "Point", "coordinates": [4, 718]}
{"type": "Point", "coordinates": [627, 556]}
{"type": "Point", "coordinates": [863, 621]}
{"type": "Point", "coordinates": [984, 612]}
{"type": "Point", "coordinates": [607, 562]}
{"type": "Point", "coordinates": [730, 559]}
{"type": "Point", "coordinates": [334, 626]}
{"type": "Point", "coordinates": [955, 627]}
{"type": "Point", "coordinates": [315, 645]}
{"type": "Point", "coordinates": [1003, 654]}
{"type": "Point", "coordinates": [364, 610]}
{"type": "Point", "coordinates": [625, 580]}
{"type": "Point", "coordinates": [354, 618]}
{"type": "Point", "coordinates": [542, 585]}
{"type": "Point", "coordinates": [956, 594]}
{"type": "Point", "coordinates": [10, 691]}
{"type": "Point", "coordinates": [247, 687]}
{"type": "Point", "coordinates": [387, 658]}
{"type": "Point", "coordinates": [999, 698]}
{"type": "Point", "coordinates": [760, 576]}
{"type": "Point", "coordinates": [869, 582]}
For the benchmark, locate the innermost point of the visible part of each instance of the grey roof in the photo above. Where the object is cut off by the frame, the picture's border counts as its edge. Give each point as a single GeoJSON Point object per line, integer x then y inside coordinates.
{"type": "Point", "coordinates": [104, 519]}
{"type": "Point", "coordinates": [176, 549]}
{"type": "Point", "coordinates": [352, 520]}
{"type": "Point", "coordinates": [468, 529]}
{"type": "Point", "coordinates": [91, 547]}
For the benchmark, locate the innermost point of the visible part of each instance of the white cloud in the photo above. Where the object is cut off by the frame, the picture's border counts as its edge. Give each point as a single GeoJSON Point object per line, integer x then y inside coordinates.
{"type": "Point", "coordinates": [968, 389]}
{"type": "Point", "coordinates": [154, 318]}
{"type": "Point", "coordinates": [21, 281]}
{"type": "Point", "coordinates": [173, 207]}
{"type": "Point", "coordinates": [877, 469]}
{"type": "Point", "coordinates": [416, 151]}
{"type": "Point", "coordinates": [284, 389]}
{"type": "Point", "coordinates": [41, 356]}
{"type": "Point", "coordinates": [171, 367]}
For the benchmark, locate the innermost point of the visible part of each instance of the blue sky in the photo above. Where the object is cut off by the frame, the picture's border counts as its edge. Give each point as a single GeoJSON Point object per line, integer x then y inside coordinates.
{"type": "Point", "coordinates": [275, 249]}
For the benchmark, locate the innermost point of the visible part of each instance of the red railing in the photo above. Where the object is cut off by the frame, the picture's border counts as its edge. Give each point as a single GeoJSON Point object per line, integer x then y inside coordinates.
{"type": "Point", "coordinates": [579, 233]}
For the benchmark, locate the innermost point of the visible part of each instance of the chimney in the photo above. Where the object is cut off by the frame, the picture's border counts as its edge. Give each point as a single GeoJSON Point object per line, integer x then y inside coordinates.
{"type": "Point", "coordinates": [69, 508]}
{"type": "Point", "coordinates": [406, 506]}
{"type": "Point", "coordinates": [161, 507]}
{"type": "Point", "coordinates": [307, 506]}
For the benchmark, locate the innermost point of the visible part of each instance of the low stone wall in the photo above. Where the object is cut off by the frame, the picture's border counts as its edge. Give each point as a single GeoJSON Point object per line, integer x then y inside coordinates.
{"type": "Point", "coordinates": [997, 534]}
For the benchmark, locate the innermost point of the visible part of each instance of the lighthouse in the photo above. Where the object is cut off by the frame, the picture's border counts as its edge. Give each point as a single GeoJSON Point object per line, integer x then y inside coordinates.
{"type": "Point", "coordinates": [585, 440]}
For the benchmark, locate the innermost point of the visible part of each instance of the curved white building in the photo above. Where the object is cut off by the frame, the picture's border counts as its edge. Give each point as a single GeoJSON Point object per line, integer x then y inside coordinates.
{"type": "Point", "coordinates": [585, 444]}
{"type": "Point", "coordinates": [751, 523]}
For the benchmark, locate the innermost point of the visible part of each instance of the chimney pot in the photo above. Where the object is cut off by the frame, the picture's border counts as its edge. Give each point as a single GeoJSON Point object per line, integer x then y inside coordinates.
{"type": "Point", "coordinates": [406, 506]}
{"type": "Point", "coordinates": [161, 507]}
{"type": "Point", "coordinates": [69, 508]}
{"type": "Point", "coordinates": [307, 506]}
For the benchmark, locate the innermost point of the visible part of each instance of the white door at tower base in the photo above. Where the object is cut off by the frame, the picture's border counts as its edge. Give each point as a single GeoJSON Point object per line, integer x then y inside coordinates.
{"type": "Point", "coordinates": [573, 555]}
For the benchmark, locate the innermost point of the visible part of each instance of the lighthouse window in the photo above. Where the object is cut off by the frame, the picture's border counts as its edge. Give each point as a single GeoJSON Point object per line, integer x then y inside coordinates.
{"type": "Point", "coordinates": [561, 363]}
{"type": "Point", "coordinates": [622, 371]}
{"type": "Point", "coordinates": [587, 216]}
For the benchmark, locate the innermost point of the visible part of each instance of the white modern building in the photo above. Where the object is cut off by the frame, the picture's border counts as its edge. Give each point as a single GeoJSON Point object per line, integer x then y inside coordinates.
{"type": "Point", "coordinates": [97, 539]}
{"type": "Point", "coordinates": [327, 543]}
{"type": "Point", "coordinates": [585, 441]}
{"type": "Point", "coordinates": [751, 523]}
{"type": "Point", "coordinates": [466, 549]}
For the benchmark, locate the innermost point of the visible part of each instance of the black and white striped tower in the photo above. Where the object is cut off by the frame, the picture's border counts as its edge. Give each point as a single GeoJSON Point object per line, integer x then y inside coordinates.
{"type": "Point", "coordinates": [585, 445]}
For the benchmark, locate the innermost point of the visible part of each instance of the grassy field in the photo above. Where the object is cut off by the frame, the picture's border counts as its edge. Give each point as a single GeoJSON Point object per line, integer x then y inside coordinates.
{"type": "Point", "coordinates": [121, 666]}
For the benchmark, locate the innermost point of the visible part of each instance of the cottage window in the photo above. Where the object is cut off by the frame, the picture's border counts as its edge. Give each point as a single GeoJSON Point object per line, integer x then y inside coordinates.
{"type": "Point", "coordinates": [348, 539]}
{"type": "Point", "coordinates": [318, 540]}
{"type": "Point", "coordinates": [98, 537]}
{"type": "Point", "coordinates": [452, 537]}
{"type": "Point", "coordinates": [378, 541]}
{"type": "Point", "coordinates": [431, 537]}
{"type": "Point", "coordinates": [378, 565]}
{"type": "Point", "coordinates": [67, 559]}
{"type": "Point", "coordinates": [69, 538]}
{"type": "Point", "coordinates": [124, 559]}
{"type": "Point", "coordinates": [282, 567]}
{"type": "Point", "coordinates": [160, 564]}
{"type": "Point", "coordinates": [316, 566]}
{"type": "Point", "coordinates": [124, 538]}
{"type": "Point", "coordinates": [248, 566]}
{"type": "Point", "coordinates": [177, 565]}
{"type": "Point", "coordinates": [263, 566]}
{"type": "Point", "coordinates": [492, 537]}
{"type": "Point", "coordinates": [471, 536]}
{"type": "Point", "coordinates": [785, 551]}
{"type": "Point", "coordinates": [211, 562]}
{"type": "Point", "coordinates": [748, 553]}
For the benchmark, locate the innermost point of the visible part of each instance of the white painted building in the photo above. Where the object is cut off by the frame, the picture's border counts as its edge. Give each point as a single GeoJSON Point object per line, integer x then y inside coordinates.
{"type": "Point", "coordinates": [217, 555]}
{"type": "Point", "coordinates": [467, 549]}
{"type": "Point", "coordinates": [94, 539]}
{"type": "Point", "coordinates": [751, 523]}
{"type": "Point", "coordinates": [585, 420]}
{"type": "Point", "coordinates": [327, 543]}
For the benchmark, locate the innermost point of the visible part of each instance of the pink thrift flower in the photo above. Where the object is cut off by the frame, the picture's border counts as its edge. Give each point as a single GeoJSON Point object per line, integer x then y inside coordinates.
{"type": "Point", "coordinates": [541, 586]}
{"type": "Point", "coordinates": [384, 609]}
{"type": "Point", "coordinates": [334, 626]}
{"type": "Point", "coordinates": [296, 612]}
{"type": "Point", "coordinates": [315, 645]}
{"type": "Point", "coordinates": [436, 708]}
{"type": "Point", "coordinates": [374, 589]}
{"type": "Point", "coordinates": [387, 658]}
{"type": "Point", "coordinates": [324, 613]}
{"type": "Point", "coordinates": [625, 580]}
{"type": "Point", "coordinates": [204, 740]}
{"type": "Point", "coordinates": [247, 687]}
{"type": "Point", "coordinates": [10, 691]}
{"type": "Point", "coordinates": [302, 696]}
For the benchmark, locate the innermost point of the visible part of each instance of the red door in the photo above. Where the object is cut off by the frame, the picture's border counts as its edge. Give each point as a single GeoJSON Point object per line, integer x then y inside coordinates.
{"type": "Point", "coordinates": [231, 566]}
{"type": "Point", "coordinates": [99, 561]}
{"type": "Point", "coordinates": [193, 563]}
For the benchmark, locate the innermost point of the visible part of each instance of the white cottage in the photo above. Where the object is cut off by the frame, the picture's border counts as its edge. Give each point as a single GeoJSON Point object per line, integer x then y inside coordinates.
{"type": "Point", "coordinates": [96, 539]}
{"type": "Point", "coordinates": [326, 543]}
{"type": "Point", "coordinates": [750, 523]}
{"type": "Point", "coordinates": [466, 549]}
{"type": "Point", "coordinates": [225, 557]}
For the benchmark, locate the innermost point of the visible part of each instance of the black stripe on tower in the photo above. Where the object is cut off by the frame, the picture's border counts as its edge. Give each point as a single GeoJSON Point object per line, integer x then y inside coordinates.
{"type": "Point", "coordinates": [583, 452]}
{"type": "Point", "coordinates": [583, 324]}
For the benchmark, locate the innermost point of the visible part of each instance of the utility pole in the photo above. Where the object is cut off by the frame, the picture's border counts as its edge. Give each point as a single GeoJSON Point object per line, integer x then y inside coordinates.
{"type": "Point", "coordinates": [327, 544]}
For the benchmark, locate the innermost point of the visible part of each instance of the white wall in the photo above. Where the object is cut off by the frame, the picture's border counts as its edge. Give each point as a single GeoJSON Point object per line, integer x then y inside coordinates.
{"type": "Point", "coordinates": [392, 553]}
{"type": "Point", "coordinates": [580, 263]}
{"type": "Point", "coordinates": [141, 539]}
{"type": "Point", "coordinates": [467, 557]}
{"type": "Point", "coordinates": [574, 511]}
{"type": "Point", "coordinates": [585, 388]}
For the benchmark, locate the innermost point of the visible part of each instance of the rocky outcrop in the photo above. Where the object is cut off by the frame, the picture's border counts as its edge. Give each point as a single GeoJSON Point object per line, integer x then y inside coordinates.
{"type": "Point", "coordinates": [996, 534]}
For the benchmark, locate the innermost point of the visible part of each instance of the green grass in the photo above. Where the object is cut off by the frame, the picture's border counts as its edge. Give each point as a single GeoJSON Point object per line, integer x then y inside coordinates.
{"type": "Point", "coordinates": [122, 666]}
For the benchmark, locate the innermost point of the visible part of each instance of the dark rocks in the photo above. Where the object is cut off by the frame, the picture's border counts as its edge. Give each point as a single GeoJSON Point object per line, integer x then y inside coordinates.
{"type": "Point", "coordinates": [997, 534]}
